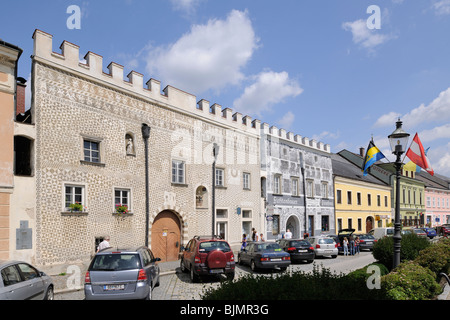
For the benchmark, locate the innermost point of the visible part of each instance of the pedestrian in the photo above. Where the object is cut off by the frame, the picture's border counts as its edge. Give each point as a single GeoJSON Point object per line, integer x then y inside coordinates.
{"type": "Point", "coordinates": [261, 237]}
{"type": "Point", "coordinates": [244, 241]}
{"type": "Point", "coordinates": [254, 235]}
{"type": "Point", "coordinates": [345, 246]}
{"type": "Point", "coordinates": [352, 245]}
{"type": "Point", "coordinates": [104, 244]}
{"type": "Point", "coordinates": [288, 234]}
{"type": "Point", "coordinates": [357, 245]}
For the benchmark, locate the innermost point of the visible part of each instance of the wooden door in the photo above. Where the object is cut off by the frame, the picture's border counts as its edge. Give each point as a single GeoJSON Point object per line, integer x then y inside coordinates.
{"type": "Point", "coordinates": [166, 235]}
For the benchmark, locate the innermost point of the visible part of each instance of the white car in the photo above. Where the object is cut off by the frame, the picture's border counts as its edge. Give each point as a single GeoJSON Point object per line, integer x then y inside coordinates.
{"type": "Point", "coordinates": [324, 246]}
{"type": "Point", "coordinates": [379, 233]}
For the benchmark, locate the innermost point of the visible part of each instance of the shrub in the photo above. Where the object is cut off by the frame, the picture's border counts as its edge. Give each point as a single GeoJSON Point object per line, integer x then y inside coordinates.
{"type": "Point", "coordinates": [436, 258]}
{"type": "Point", "coordinates": [410, 281]}
{"type": "Point", "coordinates": [411, 245]}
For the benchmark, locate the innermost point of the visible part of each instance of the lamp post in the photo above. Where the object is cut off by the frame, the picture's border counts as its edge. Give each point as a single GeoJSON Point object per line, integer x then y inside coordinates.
{"type": "Point", "coordinates": [146, 134]}
{"type": "Point", "coordinates": [215, 153]}
{"type": "Point", "coordinates": [398, 140]}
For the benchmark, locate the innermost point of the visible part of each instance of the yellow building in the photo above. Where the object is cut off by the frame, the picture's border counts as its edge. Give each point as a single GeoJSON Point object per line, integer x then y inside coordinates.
{"type": "Point", "coordinates": [361, 202]}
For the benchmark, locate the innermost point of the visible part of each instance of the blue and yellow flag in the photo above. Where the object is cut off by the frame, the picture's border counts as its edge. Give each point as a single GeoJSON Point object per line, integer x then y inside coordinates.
{"type": "Point", "coordinates": [373, 154]}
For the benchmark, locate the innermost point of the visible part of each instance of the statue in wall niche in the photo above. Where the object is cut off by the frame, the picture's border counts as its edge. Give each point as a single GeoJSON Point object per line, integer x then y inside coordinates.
{"type": "Point", "coordinates": [130, 145]}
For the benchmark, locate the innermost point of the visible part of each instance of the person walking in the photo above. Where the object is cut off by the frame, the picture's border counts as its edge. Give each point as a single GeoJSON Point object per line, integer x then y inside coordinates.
{"type": "Point", "coordinates": [345, 245]}
{"type": "Point", "coordinates": [261, 237]}
{"type": "Point", "coordinates": [357, 249]}
{"type": "Point", "coordinates": [288, 234]}
{"type": "Point", "coordinates": [244, 241]}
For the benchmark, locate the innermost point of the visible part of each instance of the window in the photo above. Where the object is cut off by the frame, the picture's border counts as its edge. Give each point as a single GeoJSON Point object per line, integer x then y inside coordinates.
{"type": "Point", "coordinates": [219, 177]}
{"type": "Point", "coordinates": [221, 213]}
{"type": "Point", "coordinates": [11, 276]}
{"type": "Point", "coordinates": [325, 223]}
{"type": "Point", "coordinates": [277, 184]}
{"type": "Point", "coordinates": [358, 198]}
{"type": "Point", "coordinates": [246, 180]}
{"type": "Point", "coordinates": [324, 190]}
{"type": "Point", "coordinates": [339, 222]}
{"type": "Point", "coordinates": [73, 195]}
{"type": "Point", "coordinates": [246, 213]}
{"type": "Point", "coordinates": [349, 197]}
{"type": "Point", "coordinates": [349, 223]}
{"type": "Point", "coordinates": [378, 200]}
{"type": "Point", "coordinates": [429, 202]}
{"type": "Point", "coordinates": [122, 198]}
{"type": "Point", "coordinates": [178, 171]}
{"type": "Point", "coordinates": [369, 199]}
{"type": "Point", "coordinates": [359, 224]}
{"type": "Point", "coordinates": [295, 190]}
{"type": "Point", "coordinates": [276, 225]}
{"type": "Point", "coordinates": [91, 151]}
{"type": "Point", "coordinates": [338, 196]}
{"type": "Point", "coordinates": [310, 188]}
{"type": "Point", "coordinates": [385, 201]}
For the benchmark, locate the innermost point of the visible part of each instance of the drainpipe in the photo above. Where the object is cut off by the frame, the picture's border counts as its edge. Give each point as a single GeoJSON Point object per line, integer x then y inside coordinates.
{"type": "Point", "coordinates": [146, 134]}
{"type": "Point", "coordinates": [304, 199]}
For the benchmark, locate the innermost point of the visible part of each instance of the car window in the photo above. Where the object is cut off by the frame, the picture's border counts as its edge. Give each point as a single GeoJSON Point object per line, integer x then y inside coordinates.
{"type": "Point", "coordinates": [269, 247]}
{"type": "Point", "coordinates": [28, 271]}
{"type": "Point", "coordinates": [326, 241]}
{"type": "Point", "coordinates": [390, 231]}
{"type": "Point", "coordinates": [10, 276]}
{"type": "Point", "coordinates": [208, 246]}
{"type": "Point", "coordinates": [146, 257]}
{"type": "Point", "coordinates": [116, 262]}
{"type": "Point", "coordinates": [299, 243]}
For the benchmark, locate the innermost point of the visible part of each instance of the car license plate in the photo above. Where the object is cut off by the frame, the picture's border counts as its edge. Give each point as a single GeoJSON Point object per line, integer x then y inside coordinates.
{"type": "Point", "coordinates": [302, 250]}
{"type": "Point", "coordinates": [216, 271]}
{"type": "Point", "coordinates": [114, 287]}
{"type": "Point", "coordinates": [275, 259]}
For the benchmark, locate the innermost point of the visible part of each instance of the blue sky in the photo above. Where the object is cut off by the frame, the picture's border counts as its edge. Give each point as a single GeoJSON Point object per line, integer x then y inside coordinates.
{"type": "Point", "coordinates": [311, 67]}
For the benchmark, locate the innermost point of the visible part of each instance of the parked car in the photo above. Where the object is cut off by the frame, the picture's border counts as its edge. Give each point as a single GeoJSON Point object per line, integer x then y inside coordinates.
{"type": "Point", "coordinates": [299, 249]}
{"type": "Point", "coordinates": [206, 256]}
{"type": "Point", "coordinates": [324, 246]}
{"type": "Point", "coordinates": [21, 281]}
{"type": "Point", "coordinates": [443, 230]}
{"type": "Point", "coordinates": [431, 232]}
{"type": "Point", "coordinates": [379, 233]}
{"type": "Point", "coordinates": [420, 232]}
{"type": "Point", "coordinates": [366, 241]}
{"type": "Point", "coordinates": [122, 274]}
{"type": "Point", "coordinates": [264, 255]}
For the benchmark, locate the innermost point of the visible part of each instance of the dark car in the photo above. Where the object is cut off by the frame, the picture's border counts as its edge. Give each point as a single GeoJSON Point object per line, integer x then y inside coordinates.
{"type": "Point", "coordinates": [264, 255]}
{"type": "Point", "coordinates": [443, 230]}
{"type": "Point", "coordinates": [299, 249]}
{"type": "Point", "coordinates": [339, 238]}
{"type": "Point", "coordinates": [366, 241]}
{"type": "Point", "coordinates": [207, 256]}
{"type": "Point", "coordinates": [21, 281]}
{"type": "Point", "coordinates": [431, 232]}
{"type": "Point", "coordinates": [122, 274]}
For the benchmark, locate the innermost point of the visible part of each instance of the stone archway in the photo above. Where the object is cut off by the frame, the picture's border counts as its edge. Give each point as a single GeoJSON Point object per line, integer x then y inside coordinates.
{"type": "Point", "coordinates": [166, 236]}
{"type": "Point", "coordinates": [293, 224]}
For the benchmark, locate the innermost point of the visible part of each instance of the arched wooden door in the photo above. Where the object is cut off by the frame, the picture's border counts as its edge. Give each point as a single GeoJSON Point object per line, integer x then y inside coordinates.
{"type": "Point", "coordinates": [166, 233]}
{"type": "Point", "coordinates": [369, 224]}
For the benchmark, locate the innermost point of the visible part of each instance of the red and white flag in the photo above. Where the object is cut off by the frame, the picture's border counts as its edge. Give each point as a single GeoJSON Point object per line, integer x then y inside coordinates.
{"type": "Point", "coordinates": [416, 154]}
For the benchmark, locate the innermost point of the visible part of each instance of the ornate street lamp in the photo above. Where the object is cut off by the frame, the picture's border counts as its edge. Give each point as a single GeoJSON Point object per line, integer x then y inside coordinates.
{"type": "Point", "coordinates": [146, 135]}
{"type": "Point", "coordinates": [398, 140]}
{"type": "Point", "coordinates": [215, 153]}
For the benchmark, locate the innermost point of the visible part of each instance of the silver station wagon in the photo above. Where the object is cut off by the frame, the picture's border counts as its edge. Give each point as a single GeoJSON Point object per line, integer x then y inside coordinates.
{"type": "Point", "coordinates": [21, 281]}
{"type": "Point", "coordinates": [116, 274]}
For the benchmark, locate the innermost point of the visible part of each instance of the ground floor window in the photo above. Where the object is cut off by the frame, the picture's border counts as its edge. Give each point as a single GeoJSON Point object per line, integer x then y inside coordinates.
{"type": "Point", "coordinates": [325, 223]}
{"type": "Point", "coordinates": [74, 195]}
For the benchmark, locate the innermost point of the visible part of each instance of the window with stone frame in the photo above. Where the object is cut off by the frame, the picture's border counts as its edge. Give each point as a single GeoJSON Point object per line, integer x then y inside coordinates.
{"type": "Point", "coordinates": [74, 194]}
{"type": "Point", "coordinates": [91, 150]}
{"type": "Point", "coordinates": [122, 197]}
{"type": "Point", "coordinates": [220, 173]}
{"type": "Point", "coordinates": [178, 171]}
{"type": "Point", "coordinates": [246, 180]}
{"type": "Point", "coordinates": [295, 186]}
{"type": "Point", "coordinates": [277, 184]}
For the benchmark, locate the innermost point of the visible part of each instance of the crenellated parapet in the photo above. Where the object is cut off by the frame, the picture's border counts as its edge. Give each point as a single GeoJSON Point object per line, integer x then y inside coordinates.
{"type": "Point", "coordinates": [273, 131]}
{"type": "Point", "coordinates": [92, 67]}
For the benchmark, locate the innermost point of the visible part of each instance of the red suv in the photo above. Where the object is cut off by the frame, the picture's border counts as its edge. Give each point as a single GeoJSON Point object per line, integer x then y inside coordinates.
{"type": "Point", "coordinates": [206, 255]}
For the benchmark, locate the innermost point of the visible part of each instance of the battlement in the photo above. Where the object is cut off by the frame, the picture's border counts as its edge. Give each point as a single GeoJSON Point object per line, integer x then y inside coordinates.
{"type": "Point", "coordinates": [273, 131]}
{"type": "Point", "coordinates": [171, 97]}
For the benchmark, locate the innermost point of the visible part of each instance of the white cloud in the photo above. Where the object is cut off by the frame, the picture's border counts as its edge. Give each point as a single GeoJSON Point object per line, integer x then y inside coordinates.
{"type": "Point", "coordinates": [441, 7]}
{"type": "Point", "coordinates": [325, 135]}
{"type": "Point", "coordinates": [287, 120]}
{"type": "Point", "coordinates": [387, 119]}
{"type": "Point", "coordinates": [268, 89]}
{"type": "Point", "coordinates": [187, 6]}
{"type": "Point", "coordinates": [210, 56]}
{"type": "Point", "coordinates": [442, 132]}
{"type": "Point", "coordinates": [362, 35]}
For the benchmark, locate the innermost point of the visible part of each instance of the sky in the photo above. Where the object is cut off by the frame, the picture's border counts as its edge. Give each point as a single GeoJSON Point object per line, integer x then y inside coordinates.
{"type": "Point", "coordinates": [337, 71]}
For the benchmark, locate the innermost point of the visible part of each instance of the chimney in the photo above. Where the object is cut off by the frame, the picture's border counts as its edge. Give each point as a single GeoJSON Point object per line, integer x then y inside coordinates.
{"type": "Point", "coordinates": [20, 102]}
{"type": "Point", "coordinates": [362, 151]}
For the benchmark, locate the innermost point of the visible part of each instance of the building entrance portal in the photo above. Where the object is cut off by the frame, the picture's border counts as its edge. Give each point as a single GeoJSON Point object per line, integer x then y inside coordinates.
{"type": "Point", "coordinates": [166, 236]}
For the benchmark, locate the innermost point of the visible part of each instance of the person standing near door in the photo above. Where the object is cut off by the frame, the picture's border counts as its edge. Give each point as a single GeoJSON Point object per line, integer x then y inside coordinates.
{"type": "Point", "coordinates": [104, 244]}
{"type": "Point", "coordinates": [288, 234]}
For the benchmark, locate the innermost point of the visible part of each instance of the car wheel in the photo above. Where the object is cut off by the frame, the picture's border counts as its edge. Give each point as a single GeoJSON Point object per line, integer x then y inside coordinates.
{"type": "Point", "coordinates": [149, 296]}
{"type": "Point", "coordinates": [194, 277]}
{"type": "Point", "coordinates": [240, 261]}
{"type": "Point", "coordinates": [333, 256]}
{"type": "Point", "coordinates": [310, 261]}
{"type": "Point", "coordinates": [230, 276]}
{"type": "Point", "coordinates": [253, 265]}
{"type": "Point", "coordinates": [49, 295]}
{"type": "Point", "coordinates": [182, 266]}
